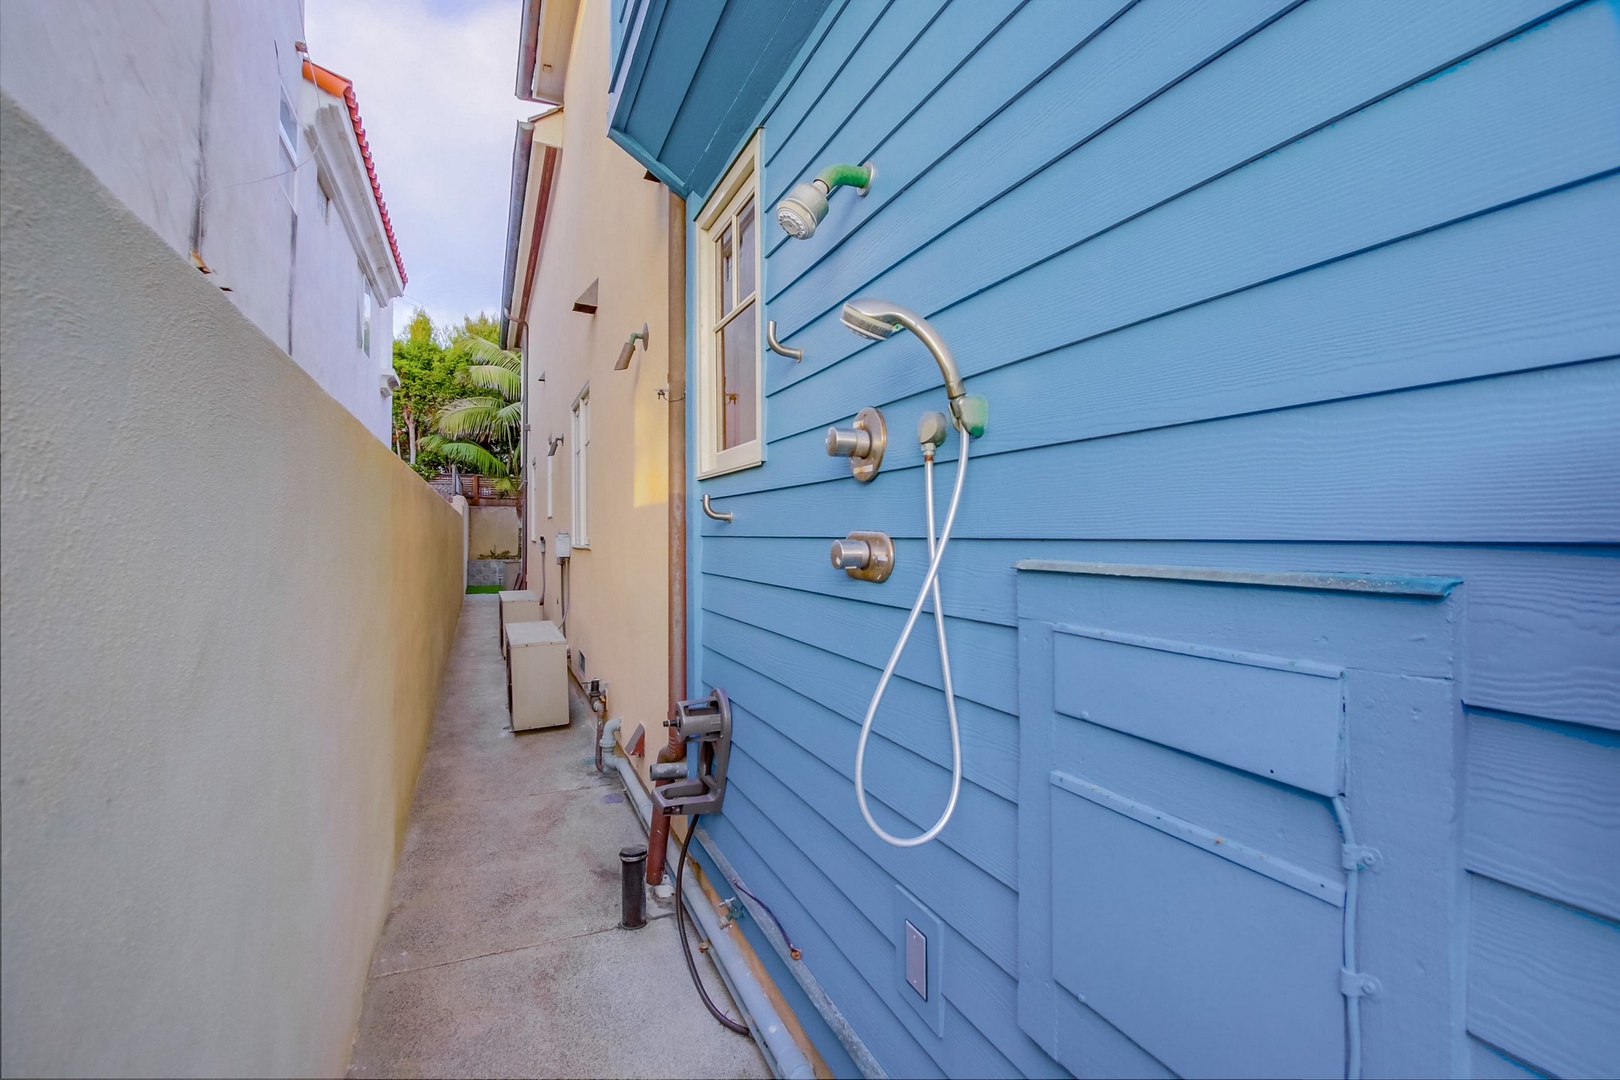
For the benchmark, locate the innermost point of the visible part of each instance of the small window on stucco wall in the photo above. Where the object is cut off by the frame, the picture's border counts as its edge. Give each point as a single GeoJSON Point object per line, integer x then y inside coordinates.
{"type": "Point", "coordinates": [731, 395]}
{"type": "Point", "coordinates": [362, 335]}
{"type": "Point", "coordinates": [580, 439]}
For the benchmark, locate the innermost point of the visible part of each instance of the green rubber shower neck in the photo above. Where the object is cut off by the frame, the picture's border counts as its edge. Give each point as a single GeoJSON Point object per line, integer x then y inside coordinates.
{"type": "Point", "coordinates": [834, 177]}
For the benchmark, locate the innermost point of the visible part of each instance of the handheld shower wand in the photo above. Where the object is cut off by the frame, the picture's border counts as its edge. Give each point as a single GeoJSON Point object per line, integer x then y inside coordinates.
{"type": "Point", "coordinates": [879, 319]}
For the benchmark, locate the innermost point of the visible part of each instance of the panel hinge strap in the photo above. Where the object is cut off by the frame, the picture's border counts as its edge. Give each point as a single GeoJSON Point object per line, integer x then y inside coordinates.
{"type": "Point", "coordinates": [1355, 984]}
{"type": "Point", "coordinates": [1360, 857]}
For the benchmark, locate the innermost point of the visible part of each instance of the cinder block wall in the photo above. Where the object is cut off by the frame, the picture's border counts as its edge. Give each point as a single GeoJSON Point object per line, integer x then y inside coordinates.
{"type": "Point", "coordinates": [226, 615]}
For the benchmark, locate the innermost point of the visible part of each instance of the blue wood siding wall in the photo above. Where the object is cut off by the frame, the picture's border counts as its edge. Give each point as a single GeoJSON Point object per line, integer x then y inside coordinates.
{"type": "Point", "coordinates": [1312, 286]}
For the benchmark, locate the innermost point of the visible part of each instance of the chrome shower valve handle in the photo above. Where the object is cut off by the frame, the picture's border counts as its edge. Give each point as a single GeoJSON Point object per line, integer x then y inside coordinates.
{"type": "Point", "coordinates": [864, 443]}
{"type": "Point", "coordinates": [865, 556]}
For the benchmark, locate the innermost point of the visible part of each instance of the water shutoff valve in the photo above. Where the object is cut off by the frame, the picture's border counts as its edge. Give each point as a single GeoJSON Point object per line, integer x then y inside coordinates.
{"type": "Point", "coordinates": [865, 556]}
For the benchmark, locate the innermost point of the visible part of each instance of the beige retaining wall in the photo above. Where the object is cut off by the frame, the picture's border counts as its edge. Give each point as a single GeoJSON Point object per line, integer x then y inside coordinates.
{"type": "Point", "coordinates": [226, 614]}
{"type": "Point", "coordinates": [492, 528]}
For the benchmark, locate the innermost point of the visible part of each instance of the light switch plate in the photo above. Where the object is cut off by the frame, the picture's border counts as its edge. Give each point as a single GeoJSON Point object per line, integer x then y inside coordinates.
{"type": "Point", "coordinates": [919, 939]}
{"type": "Point", "coordinates": [916, 960]}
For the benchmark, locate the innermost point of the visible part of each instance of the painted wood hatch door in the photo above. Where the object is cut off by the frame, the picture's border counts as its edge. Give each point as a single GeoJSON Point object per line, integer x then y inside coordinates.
{"type": "Point", "coordinates": [1182, 872]}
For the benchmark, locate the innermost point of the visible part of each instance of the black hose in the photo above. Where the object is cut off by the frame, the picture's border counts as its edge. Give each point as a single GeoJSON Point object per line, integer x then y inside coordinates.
{"type": "Point", "coordinates": [686, 946]}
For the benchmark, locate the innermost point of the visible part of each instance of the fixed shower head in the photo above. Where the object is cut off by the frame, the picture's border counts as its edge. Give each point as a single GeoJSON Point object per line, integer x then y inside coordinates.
{"type": "Point", "coordinates": [802, 210]}
{"type": "Point", "coordinates": [804, 207]}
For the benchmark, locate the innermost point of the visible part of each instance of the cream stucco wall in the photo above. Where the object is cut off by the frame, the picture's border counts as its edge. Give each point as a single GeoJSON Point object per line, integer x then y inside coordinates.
{"type": "Point", "coordinates": [492, 528]}
{"type": "Point", "coordinates": [608, 223]}
{"type": "Point", "coordinates": [219, 675]}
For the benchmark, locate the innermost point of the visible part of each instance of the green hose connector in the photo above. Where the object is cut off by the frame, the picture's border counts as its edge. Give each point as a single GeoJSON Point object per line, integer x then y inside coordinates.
{"type": "Point", "coordinates": [837, 176]}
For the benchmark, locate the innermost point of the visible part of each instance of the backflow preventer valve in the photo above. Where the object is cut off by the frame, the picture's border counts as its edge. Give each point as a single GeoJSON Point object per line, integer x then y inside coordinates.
{"type": "Point", "coordinates": [705, 725]}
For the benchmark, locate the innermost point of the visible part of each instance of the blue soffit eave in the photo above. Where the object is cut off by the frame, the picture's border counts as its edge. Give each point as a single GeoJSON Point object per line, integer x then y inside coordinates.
{"type": "Point", "coordinates": [693, 74]}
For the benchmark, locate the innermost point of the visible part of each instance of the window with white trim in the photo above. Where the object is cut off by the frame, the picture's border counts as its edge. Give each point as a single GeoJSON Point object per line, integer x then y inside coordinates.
{"type": "Point", "coordinates": [731, 393]}
{"type": "Point", "coordinates": [362, 329]}
{"type": "Point", "coordinates": [288, 130]}
{"type": "Point", "coordinates": [580, 439]}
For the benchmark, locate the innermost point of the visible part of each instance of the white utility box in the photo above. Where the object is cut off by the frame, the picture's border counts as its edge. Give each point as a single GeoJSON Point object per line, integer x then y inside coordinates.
{"type": "Point", "coordinates": [536, 675]}
{"type": "Point", "coordinates": [521, 605]}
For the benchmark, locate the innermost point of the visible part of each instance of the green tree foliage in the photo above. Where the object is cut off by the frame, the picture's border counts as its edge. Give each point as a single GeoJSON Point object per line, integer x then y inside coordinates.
{"type": "Point", "coordinates": [481, 432]}
{"type": "Point", "coordinates": [480, 326]}
{"type": "Point", "coordinates": [460, 398]}
{"type": "Point", "coordinates": [427, 381]}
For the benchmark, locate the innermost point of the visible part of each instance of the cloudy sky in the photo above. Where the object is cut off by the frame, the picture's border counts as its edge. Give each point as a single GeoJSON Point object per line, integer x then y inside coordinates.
{"type": "Point", "coordinates": [434, 80]}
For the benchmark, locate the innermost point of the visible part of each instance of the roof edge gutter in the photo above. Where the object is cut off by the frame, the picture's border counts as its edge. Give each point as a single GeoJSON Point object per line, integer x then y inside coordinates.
{"type": "Point", "coordinates": [528, 51]}
{"type": "Point", "coordinates": [521, 146]}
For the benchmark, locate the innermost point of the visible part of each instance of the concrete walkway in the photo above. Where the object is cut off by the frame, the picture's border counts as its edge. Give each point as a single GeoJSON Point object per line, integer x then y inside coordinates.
{"type": "Point", "coordinates": [502, 954]}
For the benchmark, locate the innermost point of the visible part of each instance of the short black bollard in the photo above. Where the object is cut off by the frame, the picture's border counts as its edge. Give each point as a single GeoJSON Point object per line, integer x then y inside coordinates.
{"type": "Point", "coordinates": [633, 896]}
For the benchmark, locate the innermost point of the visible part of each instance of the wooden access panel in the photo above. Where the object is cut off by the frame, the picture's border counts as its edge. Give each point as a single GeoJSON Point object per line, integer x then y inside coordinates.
{"type": "Point", "coordinates": [1184, 734]}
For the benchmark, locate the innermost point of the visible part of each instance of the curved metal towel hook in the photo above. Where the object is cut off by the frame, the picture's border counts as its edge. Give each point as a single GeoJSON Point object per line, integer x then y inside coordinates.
{"type": "Point", "coordinates": [777, 347]}
{"type": "Point", "coordinates": [718, 515]}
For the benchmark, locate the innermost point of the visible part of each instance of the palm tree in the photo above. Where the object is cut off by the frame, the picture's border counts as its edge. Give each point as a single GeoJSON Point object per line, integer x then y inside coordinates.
{"type": "Point", "coordinates": [482, 434]}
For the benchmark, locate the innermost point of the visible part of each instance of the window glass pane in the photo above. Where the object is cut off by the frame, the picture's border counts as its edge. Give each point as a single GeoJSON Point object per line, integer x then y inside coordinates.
{"type": "Point", "coordinates": [728, 269]}
{"type": "Point", "coordinates": [289, 121]}
{"type": "Point", "coordinates": [745, 251]}
{"type": "Point", "coordinates": [739, 405]}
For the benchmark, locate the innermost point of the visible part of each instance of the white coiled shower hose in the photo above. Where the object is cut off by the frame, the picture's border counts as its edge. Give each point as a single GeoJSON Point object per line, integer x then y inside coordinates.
{"type": "Point", "coordinates": [930, 585]}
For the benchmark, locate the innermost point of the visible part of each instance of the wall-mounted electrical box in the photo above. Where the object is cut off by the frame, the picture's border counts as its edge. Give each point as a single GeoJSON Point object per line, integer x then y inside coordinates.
{"type": "Point", "coordinates": [565, 546]}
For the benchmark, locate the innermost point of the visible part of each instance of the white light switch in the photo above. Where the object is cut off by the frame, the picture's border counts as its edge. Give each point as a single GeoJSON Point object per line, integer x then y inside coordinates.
{"type": "Point", "coordinates": [917, 960]}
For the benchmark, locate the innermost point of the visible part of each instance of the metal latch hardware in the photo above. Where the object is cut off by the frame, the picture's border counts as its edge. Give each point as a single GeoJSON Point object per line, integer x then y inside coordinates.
{"type": "Point", "coordinates": [1361, 857]}
{"type": "Point", "coordinates": [1354, 984]}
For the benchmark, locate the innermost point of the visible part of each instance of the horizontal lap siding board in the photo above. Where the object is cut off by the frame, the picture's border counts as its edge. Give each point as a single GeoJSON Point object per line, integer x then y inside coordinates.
{"type": "Point", "coordinates": [1520, 288]}
{"type": "Point", "coordinates": [815, 618]}
{"type": "Point", "coordinates": [1218, 117]}
{"type": "Point", "coordinates": [1527, 458]}
{"type": "Point", "coordinates": [1543, 981]}
{"type": "Point", "coordinates": [1543, 809]}
{"type": "Point", "coordinates": [1024, 86]}
{"type": "Point", "coordinates": [1255, 285]}
{"type": "Point", "coordinates": [984, 839]}
{"type": "Point", "coordinates": [823, 875]}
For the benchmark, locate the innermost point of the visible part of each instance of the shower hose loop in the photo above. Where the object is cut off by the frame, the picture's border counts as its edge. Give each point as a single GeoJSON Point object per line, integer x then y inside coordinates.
{"type": "Point", "coordinates": [930, 587]}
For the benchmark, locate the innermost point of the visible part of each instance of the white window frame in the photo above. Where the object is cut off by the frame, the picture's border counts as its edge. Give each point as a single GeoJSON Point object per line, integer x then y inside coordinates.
{"type": "Point", "coordinates": [288, 179]}
{"type": "Point", "coordinates": [579, 436]}
{"type": "Point", "coordinates": [740, 184]}
{"type": "Point", "coordinates": [362, 327]}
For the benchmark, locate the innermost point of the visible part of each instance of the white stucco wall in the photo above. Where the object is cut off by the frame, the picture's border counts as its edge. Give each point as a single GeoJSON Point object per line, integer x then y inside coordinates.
{"type": "Point", "coordinates": [174, 102]}
{"type": "Point", "coordinates": [326, 312]}
{"type": "Point", "coordinates": [218, 679]}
